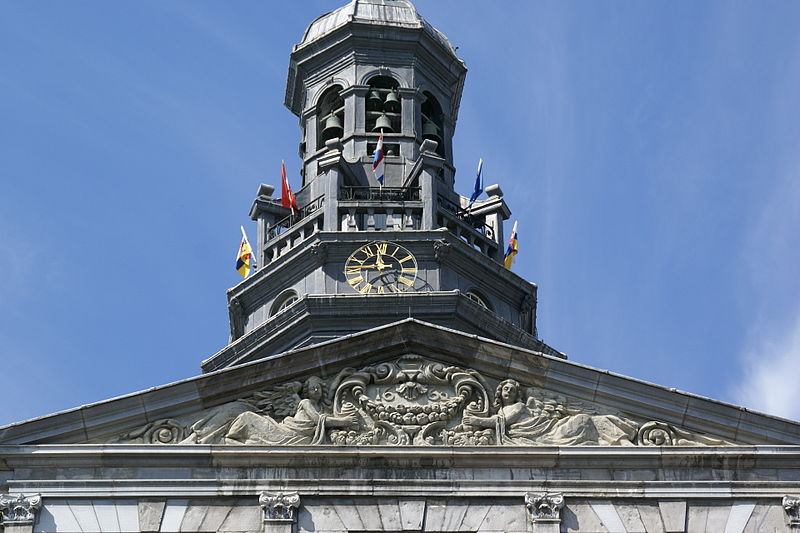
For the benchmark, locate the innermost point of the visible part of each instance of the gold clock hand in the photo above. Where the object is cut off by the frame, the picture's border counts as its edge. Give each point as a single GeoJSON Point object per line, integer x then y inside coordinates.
{"type": "Point", "coordinates": [379, 262]}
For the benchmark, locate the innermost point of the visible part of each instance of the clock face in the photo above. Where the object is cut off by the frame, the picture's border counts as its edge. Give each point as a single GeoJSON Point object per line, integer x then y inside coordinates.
{"type": "Point", "coordinates": [381, 267]}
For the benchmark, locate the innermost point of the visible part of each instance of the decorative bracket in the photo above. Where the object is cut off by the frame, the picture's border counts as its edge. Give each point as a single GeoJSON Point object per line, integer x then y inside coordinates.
{"type": "Point", "coordinates": [791, 504]}
{"type": "Point", "coordinates": [441, 248]}
{"type": "Point", "coordinates": [20, 510]}
{"type": "Point", "coordinates": [280, 506]}
{"type": "Point", "coordinates": [544, 507]}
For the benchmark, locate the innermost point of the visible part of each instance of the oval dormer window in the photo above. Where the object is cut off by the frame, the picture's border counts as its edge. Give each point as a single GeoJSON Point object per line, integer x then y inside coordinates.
{"type": "Point", "coordinates": [283, 302]}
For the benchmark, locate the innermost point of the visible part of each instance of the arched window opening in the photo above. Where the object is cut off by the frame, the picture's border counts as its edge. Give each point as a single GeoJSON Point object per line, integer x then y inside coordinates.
{"type": "Point", "coordinates": [330, 115]}
{"type": "Point", "coordinates": [383, 107]}
{"type": "Point", "coordinates": [283, 302]}
{"type": "Point", "coordinates": [477, 297]}
{"type": "Point", "coordinates": [432, 121]}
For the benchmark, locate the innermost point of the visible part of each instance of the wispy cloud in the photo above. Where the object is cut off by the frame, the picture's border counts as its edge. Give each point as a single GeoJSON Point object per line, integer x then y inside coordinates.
{"type": "Point", "coordinates": [769, 379]}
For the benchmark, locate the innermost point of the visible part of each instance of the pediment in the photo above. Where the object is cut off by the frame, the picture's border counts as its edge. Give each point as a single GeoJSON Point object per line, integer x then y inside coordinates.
{"type": "Point", "coordinates": [409, 383]}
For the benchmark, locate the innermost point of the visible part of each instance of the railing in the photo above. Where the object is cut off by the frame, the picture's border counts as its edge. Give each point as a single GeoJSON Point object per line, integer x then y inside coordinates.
{"type": "Point", "coordinates": [379, 194]}
{"type": "Point", "coordinates": [287, 222]}
{"type": "Point", "coordinates": [472, 221]}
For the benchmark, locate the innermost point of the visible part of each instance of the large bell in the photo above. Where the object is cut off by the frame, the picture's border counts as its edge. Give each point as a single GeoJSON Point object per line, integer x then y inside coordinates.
{"type": "Point", "coordinates": [431, 131]}
{"type": "Point", "coordinates": [333, 128]}
{"type": "Point", "coordinates": [383, 123]}
{"type": "Point", "coordinates": [392, 102]}
{"type": "Point", "coordinates": [374, 100]}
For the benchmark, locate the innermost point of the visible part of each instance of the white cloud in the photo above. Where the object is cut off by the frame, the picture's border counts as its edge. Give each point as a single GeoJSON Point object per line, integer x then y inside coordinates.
{"type": "Point", "coordinates": [769, 380]}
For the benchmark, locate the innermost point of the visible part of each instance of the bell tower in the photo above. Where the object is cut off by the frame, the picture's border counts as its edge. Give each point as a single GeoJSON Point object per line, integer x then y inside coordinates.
{"type": "Point", "coordinates": [375, 66]}
{"type": "Point", "coordinates": [360, 255]}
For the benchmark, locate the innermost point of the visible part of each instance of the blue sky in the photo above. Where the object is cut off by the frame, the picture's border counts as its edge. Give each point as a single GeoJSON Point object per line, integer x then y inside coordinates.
{"type": "Point", "coordinates": [650, 150]}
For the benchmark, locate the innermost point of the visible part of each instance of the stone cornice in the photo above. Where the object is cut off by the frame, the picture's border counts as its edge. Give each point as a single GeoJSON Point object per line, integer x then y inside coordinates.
{"type": "Point", "coordinates": [507, 472]}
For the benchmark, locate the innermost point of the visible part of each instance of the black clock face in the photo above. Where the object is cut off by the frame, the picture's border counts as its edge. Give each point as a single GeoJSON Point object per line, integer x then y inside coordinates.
{"type": "Point", "coordinates": [381, 268]}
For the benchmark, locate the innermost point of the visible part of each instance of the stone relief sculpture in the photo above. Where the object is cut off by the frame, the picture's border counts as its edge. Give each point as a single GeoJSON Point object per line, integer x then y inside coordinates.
{"type": "Point", "coordinates": [410, 402]}
{"type": "Point", "coordinates": [307, 426]}
{"type": "Point", "coordinates": [522, 422]}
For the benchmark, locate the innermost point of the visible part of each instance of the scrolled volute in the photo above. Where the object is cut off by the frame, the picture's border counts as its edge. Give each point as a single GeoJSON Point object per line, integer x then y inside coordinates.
{"type": "Point", "coordinates": [19, 510]}
{"type": "Point", "coordinates": [791, 504]}
{"type": "Point", "coordinates": [545, 506]}
{"type": "Point", "coordinates": [279, 506]}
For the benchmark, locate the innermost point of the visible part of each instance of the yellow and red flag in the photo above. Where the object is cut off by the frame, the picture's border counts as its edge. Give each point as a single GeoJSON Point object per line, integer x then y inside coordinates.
{"type": "Point", "coordinates": [245, 256]}
{"type": "Point", "coordinates": [513, 248]}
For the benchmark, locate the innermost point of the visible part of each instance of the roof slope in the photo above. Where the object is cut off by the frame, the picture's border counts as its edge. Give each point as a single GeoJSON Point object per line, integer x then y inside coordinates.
{"type": "Point", "coordinates": [391, 376]}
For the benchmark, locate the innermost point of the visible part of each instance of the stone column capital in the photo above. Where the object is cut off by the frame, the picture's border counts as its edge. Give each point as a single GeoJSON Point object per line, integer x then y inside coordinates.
{"type": "Point", "coordinates": [279, 506]}
{"type": "Point", "coordinates": [19, 510]}
{"type": "Point", "coordinates": [544, 507]}
{"type": "Point", "coordinates": [791, 504]}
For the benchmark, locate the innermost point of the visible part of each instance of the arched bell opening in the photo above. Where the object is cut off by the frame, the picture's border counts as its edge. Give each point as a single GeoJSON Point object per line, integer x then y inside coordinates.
{"type": "Point", "coordinates": [330, 115]}
{"type": "Point", "coordinates": [383, 107]}
{"type": "Point", "coordinates": [432, 121]}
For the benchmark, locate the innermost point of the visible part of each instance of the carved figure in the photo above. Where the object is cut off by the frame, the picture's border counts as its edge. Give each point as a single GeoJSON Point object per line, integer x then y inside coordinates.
{"type": "Point", "coordinates": [306, 426]}
{"type": "Point", "coordinates": [410, 401]}
{"type": "Point", "coordinates": [517, 422]}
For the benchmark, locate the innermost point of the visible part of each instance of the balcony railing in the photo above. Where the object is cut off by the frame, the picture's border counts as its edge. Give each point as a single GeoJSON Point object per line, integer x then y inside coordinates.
{"type": "Point", "coordinates": [474, 222]}
{"type": "Point", "coordinates": [379, 194]}
{"type": "Point", "coordinates": [287, 222]}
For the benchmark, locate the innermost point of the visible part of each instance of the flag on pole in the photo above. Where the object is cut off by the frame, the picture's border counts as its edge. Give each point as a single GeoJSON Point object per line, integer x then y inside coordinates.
{"type": "Point", "coordinates": [513, 247]}
{"type": "Point", "coordinates": [287, 196]}
{"type": "Point", "coordinates": [245, 256]}
{"type": "Point", "coordinates": [478, 184]}
{"type": "Point", "coordinates": [377, 162]}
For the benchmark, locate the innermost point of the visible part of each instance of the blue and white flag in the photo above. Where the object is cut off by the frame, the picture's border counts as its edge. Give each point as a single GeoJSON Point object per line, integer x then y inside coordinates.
{"type": "Point", "coordinates": [377, 163]}
{"type": "Point", "coordinates": [478, 184]}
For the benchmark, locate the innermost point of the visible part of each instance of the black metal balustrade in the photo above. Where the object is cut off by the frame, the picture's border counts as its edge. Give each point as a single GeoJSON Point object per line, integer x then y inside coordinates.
{"type": "Point", "coordinates": [287, 222]}
{"type": "Point", "coordinates": [463, 215]}
{"type": "Point", "coordinates": [379, 194]}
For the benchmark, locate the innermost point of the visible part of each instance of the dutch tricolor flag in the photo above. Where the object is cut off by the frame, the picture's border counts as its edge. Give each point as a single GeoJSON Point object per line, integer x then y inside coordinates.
{"type": "Point", "coordinates": [377, 163]}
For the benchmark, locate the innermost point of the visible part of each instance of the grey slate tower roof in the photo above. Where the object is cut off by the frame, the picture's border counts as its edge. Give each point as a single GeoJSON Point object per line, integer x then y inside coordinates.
{"type": "Point", "coordinates": [390, 13]}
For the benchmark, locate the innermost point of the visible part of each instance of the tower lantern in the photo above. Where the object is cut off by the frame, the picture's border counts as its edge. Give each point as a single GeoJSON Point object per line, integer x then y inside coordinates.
{"type": "Point", "coordinates": [375, 71]}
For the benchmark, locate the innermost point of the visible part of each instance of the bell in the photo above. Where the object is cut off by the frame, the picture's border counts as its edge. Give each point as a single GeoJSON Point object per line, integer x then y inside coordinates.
{"type": "Point", "coordinates": [431, 131]}
{"type": "Point", "coordinates": [383, 123]}
{"type": "Point", "coordinates": [333, 128]}
{"type": "Point", "coordinates": [392, 102]}
{"type": "Point", "coordinates": [374, 100]}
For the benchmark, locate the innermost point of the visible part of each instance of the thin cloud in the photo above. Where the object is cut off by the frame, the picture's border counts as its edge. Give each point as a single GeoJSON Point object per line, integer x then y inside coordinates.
{"type": "Point", "coordinates": [769, 381]}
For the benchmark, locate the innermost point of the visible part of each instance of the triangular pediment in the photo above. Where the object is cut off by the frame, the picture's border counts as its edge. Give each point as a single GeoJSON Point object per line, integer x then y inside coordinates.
{"type": "Point", "coordinates": [409, 383]}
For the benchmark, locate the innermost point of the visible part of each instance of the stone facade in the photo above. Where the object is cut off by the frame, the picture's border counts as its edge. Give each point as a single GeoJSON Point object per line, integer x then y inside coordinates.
{"type": "Point", "coordinates": [428, 404]}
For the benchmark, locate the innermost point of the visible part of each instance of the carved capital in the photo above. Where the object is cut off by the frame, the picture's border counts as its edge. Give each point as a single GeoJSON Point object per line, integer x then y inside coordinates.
{"type": "Point", "coordinates": [544, 507]}
{"type": "Point", "coordinates": [791, 504]}
{"type": "Point", "coordinates": [279, 506]}
{"type": "Point", "coordinates": [19, 510]}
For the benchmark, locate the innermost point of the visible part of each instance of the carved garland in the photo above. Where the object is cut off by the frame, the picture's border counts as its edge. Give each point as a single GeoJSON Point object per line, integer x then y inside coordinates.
{"type": "Point", "coordinates": [411, 401]}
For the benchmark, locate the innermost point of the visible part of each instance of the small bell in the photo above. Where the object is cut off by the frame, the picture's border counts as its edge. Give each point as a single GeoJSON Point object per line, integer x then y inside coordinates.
{"type": "Point", "coordinates": [392, 102]}
{"type": "Point", "coordinates": [374, 100]}
{"type": "Point", "coordinates": [333, 128]}
{"type": "Point", "coordinates": [383, 123]}
{"type": "Point", "coordinates": [431, 131]}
